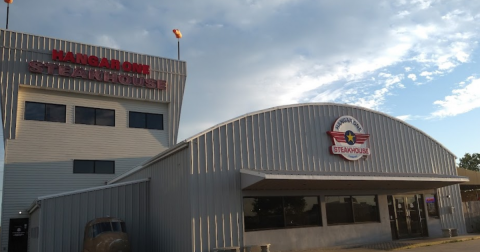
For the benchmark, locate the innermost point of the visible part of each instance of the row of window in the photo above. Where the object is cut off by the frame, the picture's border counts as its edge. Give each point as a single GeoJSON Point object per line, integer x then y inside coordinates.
{"type": "Point", "coordinates": [94, 166]}
{"type": "Point", "coordinates": [92, 116]}
{"type": "Point", "coordinates": [302, 211]}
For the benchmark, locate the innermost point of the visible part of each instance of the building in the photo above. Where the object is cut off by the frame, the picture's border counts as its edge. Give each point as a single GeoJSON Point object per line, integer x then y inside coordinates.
{"type": "Point", "coordinates": [76, 116]}
{"type": "Point", "coordinates": [283, 176]}
{"type": "Point", "coordinates": [296, 177]}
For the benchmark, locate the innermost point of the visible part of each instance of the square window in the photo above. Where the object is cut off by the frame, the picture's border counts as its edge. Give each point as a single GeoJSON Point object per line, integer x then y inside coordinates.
{"type": "Point", "coordinates": [155, 121]}
{"type": "Point", "coordinates": [105, 167]}
{"type": "Point", "coordinates": [84, 115]}
{"type": "Point", "coordinates": [55, 113]}
{"type": "Point", "coordinates": [35, 111]}
{"type": "Point", "coordinates": [105, 117]}
{"type": "Point", "coordinates": [137, 120]}
{"type": "Point", "coordinates": [83, 166]}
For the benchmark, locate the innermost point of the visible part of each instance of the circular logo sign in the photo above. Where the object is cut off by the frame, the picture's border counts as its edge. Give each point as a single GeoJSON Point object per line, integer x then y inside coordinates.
{"type": "Point", "coordinates": [349, 138]}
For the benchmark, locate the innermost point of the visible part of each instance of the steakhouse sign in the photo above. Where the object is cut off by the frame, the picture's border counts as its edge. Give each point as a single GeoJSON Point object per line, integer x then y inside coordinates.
{"type": "Point", "coordinates": [349, 138]}
{"type": "Point", "coordinates": [97, 75]}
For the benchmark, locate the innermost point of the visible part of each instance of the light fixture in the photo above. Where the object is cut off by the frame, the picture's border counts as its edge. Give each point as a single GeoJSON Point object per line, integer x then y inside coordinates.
{"type": "Point", "coordinates": [19, 212]}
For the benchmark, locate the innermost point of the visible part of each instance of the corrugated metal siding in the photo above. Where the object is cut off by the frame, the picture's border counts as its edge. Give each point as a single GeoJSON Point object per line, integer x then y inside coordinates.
{"type": "Point", "coordinates": [70, 213]}
{"type": "Point", "coordinates": [18, 49]}
{"type": "Point", "coordinates": [294, 138]}
{"type": "Point", "coordinates": [40, 160]}
{"type": "Point", "coordinates": [34, 224]}
{"type": "Point", "coordinates": [170, 203]}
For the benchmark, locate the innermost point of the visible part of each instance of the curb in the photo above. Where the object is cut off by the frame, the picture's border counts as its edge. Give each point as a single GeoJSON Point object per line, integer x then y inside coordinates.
{"type": "Point", "coordinates": [424, 244]}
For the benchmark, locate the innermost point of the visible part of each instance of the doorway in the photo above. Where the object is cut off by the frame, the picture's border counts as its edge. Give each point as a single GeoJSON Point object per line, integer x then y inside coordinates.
{"type": "Point", "coordinates": [18, 237]}
{"type": "Point", "coordinates": [407, 216]}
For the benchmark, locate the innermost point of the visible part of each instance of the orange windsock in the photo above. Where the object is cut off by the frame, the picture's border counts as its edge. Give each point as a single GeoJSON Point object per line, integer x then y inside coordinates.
{"type": "Point", "coordinates": [8, 1]}
{"type": "Point", "coordinates": [177, 32]}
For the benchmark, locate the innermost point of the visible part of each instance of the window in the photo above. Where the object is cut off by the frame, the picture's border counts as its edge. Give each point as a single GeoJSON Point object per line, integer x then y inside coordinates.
{"type": "Point", "coordinates": [432, 205]}
{"type": "Point", "coordinates": [145, 120]}
{"type": "Point", "coordinates": [351, 209]}
{"type": "Point", "coordinates": [281, 212]}
{"type": "Point", "coordinates": [45, 112]}
{"type": "Point", "coordinates": [94, 166]}
{"type": "Point", "coordinates": [94, 116]}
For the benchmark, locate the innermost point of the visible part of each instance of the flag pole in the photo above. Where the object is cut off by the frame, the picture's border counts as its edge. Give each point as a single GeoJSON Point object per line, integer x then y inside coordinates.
{"type": "Point", "coordinates": [8, 11]}
{"type": "Point", "coordinates": [178, 45]}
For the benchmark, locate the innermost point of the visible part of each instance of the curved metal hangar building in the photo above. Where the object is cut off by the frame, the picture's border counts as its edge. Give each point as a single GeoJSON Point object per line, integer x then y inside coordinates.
{"type": "Point", "coordinates": [295, 177]}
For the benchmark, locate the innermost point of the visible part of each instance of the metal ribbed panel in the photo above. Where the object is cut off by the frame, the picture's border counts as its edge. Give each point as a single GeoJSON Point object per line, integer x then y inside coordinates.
{"type": "Point", "coordinates": [294, 138]}
{"type": "Point", "coordinates": [70, 213]}
{"type": "Point", "coordinates": [18, 49]}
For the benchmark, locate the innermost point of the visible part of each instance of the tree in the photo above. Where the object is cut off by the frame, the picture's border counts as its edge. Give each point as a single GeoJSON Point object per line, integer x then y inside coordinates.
{"type": "Point", "coordinates": [470, 162]}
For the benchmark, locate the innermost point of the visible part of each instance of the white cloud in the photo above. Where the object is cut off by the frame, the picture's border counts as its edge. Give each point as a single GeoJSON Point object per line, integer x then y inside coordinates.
{"type": "Point", "coordinates": [461, 101]}
{"type": "Point", "coordinates": [405, 117]}
{"type": "Point", "coordinates": [107, 41]}
{"type": "Point", "coordinates": [413, 77]}
{"type": "Point", "coordinates": [408, 69]}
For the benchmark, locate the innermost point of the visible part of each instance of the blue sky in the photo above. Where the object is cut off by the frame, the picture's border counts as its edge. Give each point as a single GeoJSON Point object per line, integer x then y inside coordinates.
{"type": "Point", "coordinates": [417, 60]}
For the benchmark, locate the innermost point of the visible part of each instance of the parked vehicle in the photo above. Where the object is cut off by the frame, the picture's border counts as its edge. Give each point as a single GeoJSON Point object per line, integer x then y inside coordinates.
{"type": "Point", "coordinates": [106, 235]}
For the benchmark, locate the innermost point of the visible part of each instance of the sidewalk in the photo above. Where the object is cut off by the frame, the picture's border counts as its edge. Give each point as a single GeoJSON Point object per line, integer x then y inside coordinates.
{"type": "Point", "coordinates": [395, 245]}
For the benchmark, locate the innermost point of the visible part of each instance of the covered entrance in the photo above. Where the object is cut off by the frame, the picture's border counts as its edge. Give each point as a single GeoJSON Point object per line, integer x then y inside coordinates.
{"type": "Point", "coordinates": [407, 216]}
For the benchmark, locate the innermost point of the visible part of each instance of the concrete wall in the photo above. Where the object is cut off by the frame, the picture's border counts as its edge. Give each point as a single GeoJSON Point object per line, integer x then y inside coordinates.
{"type": "Point", "coordinates": [63, 217]}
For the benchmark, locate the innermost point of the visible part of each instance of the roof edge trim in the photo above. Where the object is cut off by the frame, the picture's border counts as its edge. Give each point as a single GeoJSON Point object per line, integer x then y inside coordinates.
{"type": "Point", "coordinates": [178, 147]}
{"type": "Point", "coordinates": [90, 189]}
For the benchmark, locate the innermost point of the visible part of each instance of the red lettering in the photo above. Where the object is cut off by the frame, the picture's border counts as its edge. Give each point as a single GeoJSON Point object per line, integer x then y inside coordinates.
{"type": "Point", "coordinates": [51, 68]}
{"type": "Point", "coordinates": [80, 72]}
{"type": "Point", "coordinates": [82, 59]}
{"type": "Point", "coordinates": [127, 66]}
{"type": "Point", "coordinates": [150, 83]}
{"type": "Point", "coordinates": [104, 63]}
{"type": "Point", "coordinates": [140, 82]}
{"type": "Point", "coordinates": [93, 61]}
{"type": "Point", "coordinates": [69, 57]}
{"type": "Point", "coordinates": [35, 67]}
{"type": "Point", "coordinates": [109, 77]}
{"type": "Point", "coordinates": [125, 79]}
{"type": "Point", "coordinates": [115, 64]}
{"type": "Point", "coordinates": [137, 68]}
{"type": "Point", "coordinates": [57, 55]}
{"type": "Point", "coordinates": [146, 69]}
{"type": "Point", "coordinates": [161, 84]}
{"type": "Point", "coordinates": [65, 71]}
{"type": "Point", "coordinates": [95, 75]}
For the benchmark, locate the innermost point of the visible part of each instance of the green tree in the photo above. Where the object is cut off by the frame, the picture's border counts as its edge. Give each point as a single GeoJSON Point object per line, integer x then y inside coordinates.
{"type": "Point", "coordinates": [470, 162]}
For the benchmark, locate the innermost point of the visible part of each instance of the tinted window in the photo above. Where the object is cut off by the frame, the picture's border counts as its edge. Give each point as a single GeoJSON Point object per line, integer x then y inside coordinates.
{"type": "Point", "coordinates": [339, 209]}
{"type": "Point", "coordinates": [105, 167]}
{"type": "Point", "coordinates": [94, 116]}
{"type": "Point", "coordinates": [280, 212]}
{"type": "Point", "coordinates": [137, 120]}
{"type": "Point", "coordinates": [55, 113]}
{"type": "Point", "coordinates": [84, 115]}
{"type": "Point", "coordinates": [105, 117]}
{"type": "Point", "coordinates": [432, 205]}
{"type": "Point", "coordinates": [365, 208]}
{"type": "Point", "coordinates": [34, 111]}
{"type": "Point", "coordinates": [45, 112]}
{"type": "Point", "coordinates": [94, 166]}
{"type": "Point", "coordinates": [83, 166]}
{"type": "Point", "coordinates": [351, 209]}
{"type": "Point", "coordinates": [155, 121]}
{"type": "Point", "coordinates": [101, 228]}
{"type": "Point", "coordinates": [145, 120]}
{"type": "Point", "coordinates": [301, 211]}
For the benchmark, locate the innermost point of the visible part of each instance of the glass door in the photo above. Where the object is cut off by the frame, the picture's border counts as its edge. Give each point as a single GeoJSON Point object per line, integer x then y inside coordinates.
{"type": "Point", "coordinates": [408, 216]}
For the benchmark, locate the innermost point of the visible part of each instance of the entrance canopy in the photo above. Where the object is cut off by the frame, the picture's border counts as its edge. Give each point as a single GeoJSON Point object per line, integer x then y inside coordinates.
{"type": "Point", "coordinates": [305, 180]}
